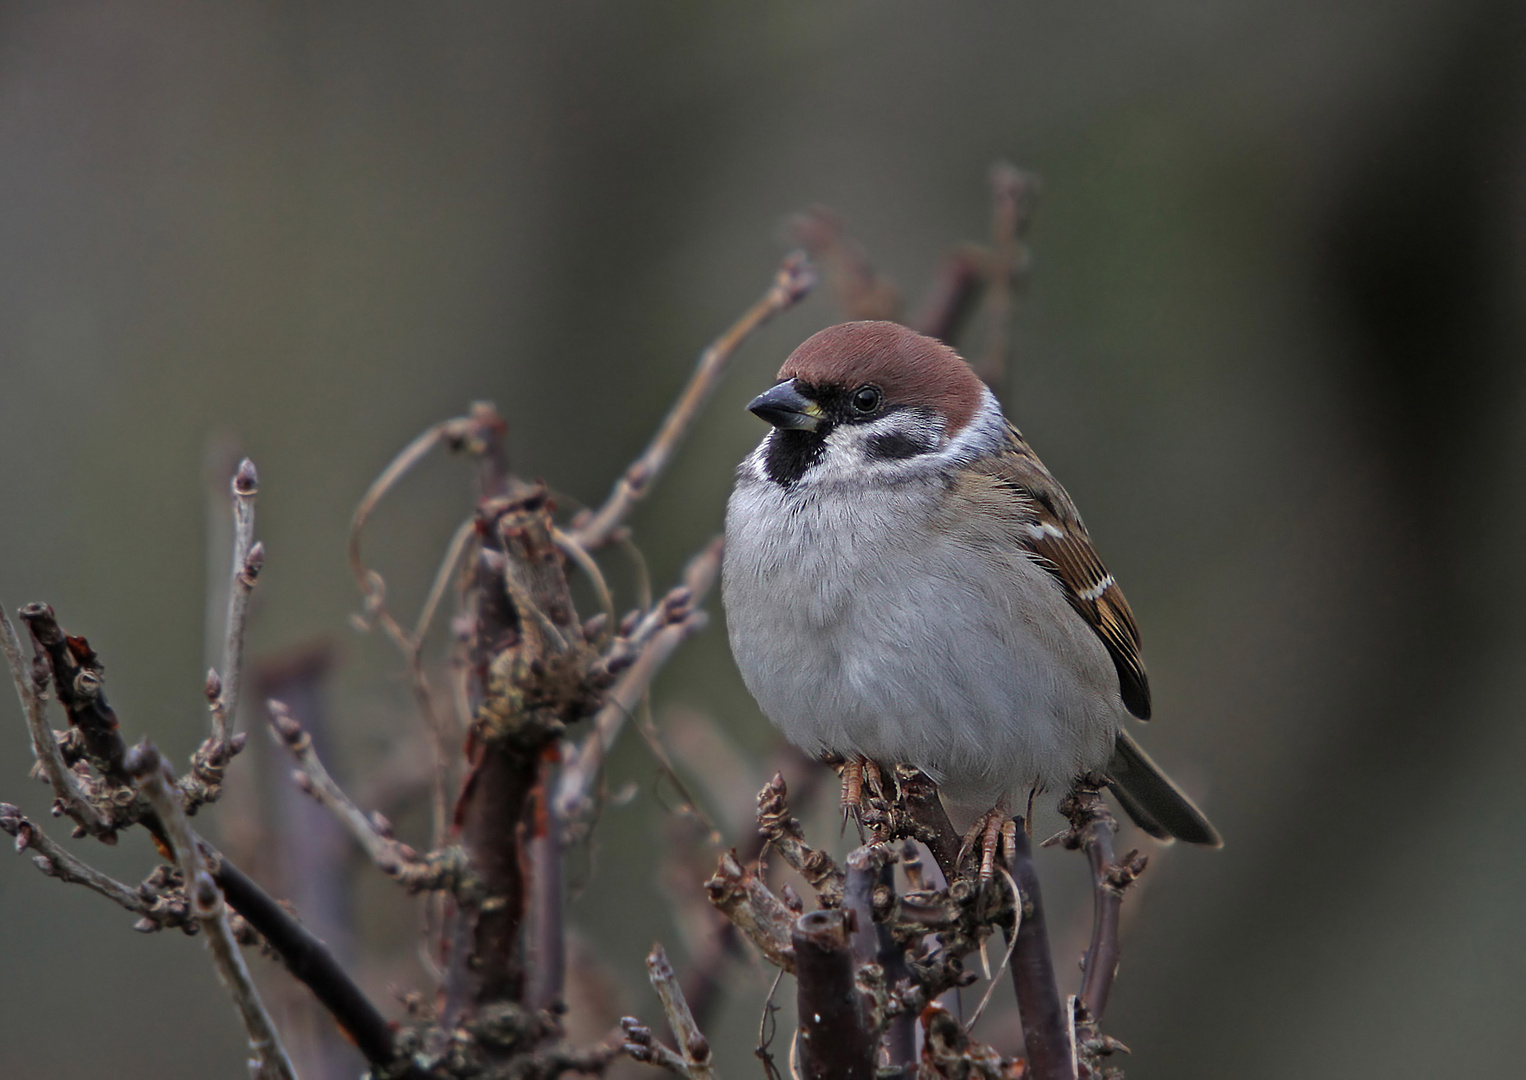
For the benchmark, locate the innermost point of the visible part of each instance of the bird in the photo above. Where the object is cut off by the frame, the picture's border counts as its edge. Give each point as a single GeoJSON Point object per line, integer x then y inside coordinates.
{"type": "Point", "coordinates": [905, 582]}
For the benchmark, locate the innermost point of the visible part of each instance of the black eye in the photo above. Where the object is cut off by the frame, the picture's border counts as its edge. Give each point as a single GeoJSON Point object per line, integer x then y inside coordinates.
{"type": "Point", "coordinates": [866, 399]}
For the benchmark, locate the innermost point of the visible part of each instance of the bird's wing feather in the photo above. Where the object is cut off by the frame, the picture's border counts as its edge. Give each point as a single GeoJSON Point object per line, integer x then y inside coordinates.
{"type": "Point", "coordinates": [1045, 523]}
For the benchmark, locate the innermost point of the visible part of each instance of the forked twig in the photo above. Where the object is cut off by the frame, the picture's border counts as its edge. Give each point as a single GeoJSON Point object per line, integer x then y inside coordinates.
{"type": "Point", "coordinates": [655, 638]}
{"type": "Point", "coordinates": [156, 784]}
{"type": "Point", "coordinates": [393, 857]}
{"type": "Point", "coordinates": [58, 863]}
{"type": "Point", "coordinates": [44, 745]}
{"type": "Point", "coordinates": [792, 282]}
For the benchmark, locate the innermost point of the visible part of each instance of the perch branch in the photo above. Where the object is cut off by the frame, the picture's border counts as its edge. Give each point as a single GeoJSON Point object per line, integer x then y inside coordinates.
{"type": "Point", "coordinates": [158, 788]}
{"type": "Point", "coordinates": [835, 1040]}
{"type": "Point", "coordinates": [792, 282]}
{"type": "Point", "coordinates": [44, 745]}
{"type": "Point", "coordinates": [1046, 1028]}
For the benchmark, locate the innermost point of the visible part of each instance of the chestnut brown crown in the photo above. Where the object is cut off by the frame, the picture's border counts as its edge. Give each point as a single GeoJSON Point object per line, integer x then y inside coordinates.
{"type": "Point", "coordinates": [908, 368]}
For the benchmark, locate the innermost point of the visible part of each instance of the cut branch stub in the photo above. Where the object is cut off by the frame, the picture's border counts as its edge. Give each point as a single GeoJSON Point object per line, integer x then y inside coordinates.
{"type": "Point", "coordinates": [836, 1042]}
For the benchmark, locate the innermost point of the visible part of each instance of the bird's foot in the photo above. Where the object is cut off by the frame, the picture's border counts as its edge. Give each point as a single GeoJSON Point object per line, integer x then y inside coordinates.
{"type": "Point", "coordinates": [862, 781]}
{"type": "Point", "coordinates": [994, 834]}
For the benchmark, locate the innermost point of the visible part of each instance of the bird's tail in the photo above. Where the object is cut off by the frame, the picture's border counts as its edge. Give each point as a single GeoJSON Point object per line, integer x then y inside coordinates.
{"type": "Point", "coordinates": [1152, 800]}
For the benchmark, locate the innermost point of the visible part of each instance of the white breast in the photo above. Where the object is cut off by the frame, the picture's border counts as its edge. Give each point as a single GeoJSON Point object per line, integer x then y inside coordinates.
{"type": "Point", "coordinates": [866, 622]}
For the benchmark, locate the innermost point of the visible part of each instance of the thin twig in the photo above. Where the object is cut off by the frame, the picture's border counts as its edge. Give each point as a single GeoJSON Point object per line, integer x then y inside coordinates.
{"type": "Point", "coordinates": [56, 862]}
{"type": "Point", "coordinates": [691, 1041]}
{"type": "Point", "coordinates": [1091, 830]}
{"type": "Point", "coordinates": [1012, 192]}
{"type": "Point", "coordinates": [1017, 914]}
{"type": "Point", "coordinates": [44, 744]}
{"type": "Point", "coordinates": [248, 557]}
{"type": "Point", "coordinates": [950, 297]}
{"type": "Point", "coordinates": [157, 786]}
{"type": "Point", "coordinates": [861, 293]}
{"type": "Point", "coordinates": [393, 857]}
{"type": "Point", "coordinates": [792, 282]}
{"type": "Point", "coordinates": [655, 636]}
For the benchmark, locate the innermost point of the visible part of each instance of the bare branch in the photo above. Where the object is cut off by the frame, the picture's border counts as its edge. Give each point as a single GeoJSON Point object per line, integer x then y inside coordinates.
{"type": "Point", "coordinates": [58, 863]}
{"type": "Point", "coordinates": [392, 857]}
{"type": "Point", "coordinates": [835, 1040]}
{"type": "Point", "coordinates": [1046, 1027]}
{"type": "Point", "coordinates": [44, 745]}
{"type": "Point", "coordinates": [248, 558]}
{"type": "Point", "coordinates": [743, 898]}
{"type": "Point", "coordinates": [158, 788]}
{"type": "Point", "coordinates": [781, 831]}
{"type": "Point", "coordinates": [1091, 831]}
{"type": "Point", "coordinates": [692, 1043]}
{"type": "Point", "coordinates": [76, 679]}
{"type": "Point", "coordinates": [792, 282]}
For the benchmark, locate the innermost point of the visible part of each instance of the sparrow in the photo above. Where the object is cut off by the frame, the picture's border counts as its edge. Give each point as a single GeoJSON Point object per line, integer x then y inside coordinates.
{"type": "Point", "coordinates": [905, 583]}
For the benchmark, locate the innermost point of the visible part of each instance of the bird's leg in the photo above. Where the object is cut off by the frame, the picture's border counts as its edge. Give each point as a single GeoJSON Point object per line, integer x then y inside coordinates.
{"type": "Point", "coordinates": [992, 831]}
{"type": "Point", "coordinates": [851, 773]}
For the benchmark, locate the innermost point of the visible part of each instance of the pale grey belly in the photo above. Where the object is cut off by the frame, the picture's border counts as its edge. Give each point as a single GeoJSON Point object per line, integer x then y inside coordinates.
{"type": "Point", "coordinates": [933, 655]}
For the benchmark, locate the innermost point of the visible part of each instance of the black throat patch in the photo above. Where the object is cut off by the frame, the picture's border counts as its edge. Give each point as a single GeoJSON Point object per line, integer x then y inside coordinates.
{"type": "Point", "coordinates": [791, 453]}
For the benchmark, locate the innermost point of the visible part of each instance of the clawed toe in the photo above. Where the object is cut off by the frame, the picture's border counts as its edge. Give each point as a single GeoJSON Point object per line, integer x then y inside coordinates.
{"type": "Point", "coordinates": [994, 834]}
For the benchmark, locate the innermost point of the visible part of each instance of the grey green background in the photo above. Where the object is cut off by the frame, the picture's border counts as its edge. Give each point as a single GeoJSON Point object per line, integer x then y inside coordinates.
{"type": "Point", "coordinates": [1272, 346]}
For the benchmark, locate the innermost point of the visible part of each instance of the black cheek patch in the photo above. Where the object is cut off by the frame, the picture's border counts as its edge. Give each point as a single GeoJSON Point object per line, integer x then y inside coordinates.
{"type": "Point", "coordinates": [791, 453]}
{"type": "Point", "coordinates": [893, 446]}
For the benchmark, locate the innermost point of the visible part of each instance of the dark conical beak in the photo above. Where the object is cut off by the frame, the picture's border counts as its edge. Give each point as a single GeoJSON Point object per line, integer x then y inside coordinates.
{"type": "Point", "coordinates": [787, 408]}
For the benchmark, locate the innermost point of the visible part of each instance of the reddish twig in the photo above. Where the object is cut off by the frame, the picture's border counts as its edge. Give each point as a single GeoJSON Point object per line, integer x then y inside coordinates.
{"type": "Point", "coordinates": [861, 293]}
{"type": "Point", "coordinates": [836, 1042]}
{"type": "Point", "coordinates": [1091, 830]}
{"type": "Point", "coordinates": [1013, 192]}
{"type": "Point", "coordinates": [792, 282]}
{"type": "Point", "coordinates": [951, 296]}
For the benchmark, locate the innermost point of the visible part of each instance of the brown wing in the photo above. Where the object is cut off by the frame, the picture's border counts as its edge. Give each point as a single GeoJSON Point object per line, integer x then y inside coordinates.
{"type": "Point", "coordinates": [1051, 530]}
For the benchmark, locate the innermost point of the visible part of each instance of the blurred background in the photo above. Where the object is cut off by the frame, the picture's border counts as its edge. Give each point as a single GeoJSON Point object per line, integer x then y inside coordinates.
{"type": "Point", "coordinates": [1272, 344]}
